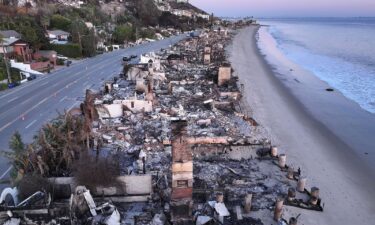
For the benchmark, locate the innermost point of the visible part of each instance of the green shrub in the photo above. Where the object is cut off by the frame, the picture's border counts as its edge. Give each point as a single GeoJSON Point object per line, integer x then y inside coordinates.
{"type": "Point", "coordinates": [60, 62]}
{"type": "Point", "coordinates": [3, 86]}
{"type": "Point", "coordinates": [15, 74]}
{"type": "Point", "coordinates": [43, 59]}
{"type": "Point", "coordinates": [123, 33]}
{"type": "Point", "coordinates": [68, 50]}
{"type": "Point", "coordinates": [147, 33]}
{"type": "Point", "coordinates": [3, 74]}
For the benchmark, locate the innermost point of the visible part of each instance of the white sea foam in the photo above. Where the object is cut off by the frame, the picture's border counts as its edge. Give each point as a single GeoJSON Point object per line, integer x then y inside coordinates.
{"type": "Point", "coordinates": [338, 52]}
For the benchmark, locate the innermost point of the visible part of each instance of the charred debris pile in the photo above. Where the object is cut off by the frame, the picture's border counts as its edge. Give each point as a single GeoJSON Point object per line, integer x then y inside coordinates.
{"type": "Point", "coordinates": [179, 145]}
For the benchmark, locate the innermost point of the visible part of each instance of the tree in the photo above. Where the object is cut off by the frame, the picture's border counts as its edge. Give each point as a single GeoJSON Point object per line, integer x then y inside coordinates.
{"type": "Point", "coordinates": [29, 35]}
{"type": "Point", "coordinates": [45, 21]}
{"type": "Point", "coordinates": [77, 29]}
{"type": "Point", "coordinates": [123, 33]}
{"type": "Point", "coordinates": [89, 44]}
{"type": "Point", "coordinates": [60, 22]}
{"type": "Point", "coordinates": [16, 144]}
{"type": "Point", "coordinates": [17, 155]}
{"type": "Point", "coordinates": [147, 12]}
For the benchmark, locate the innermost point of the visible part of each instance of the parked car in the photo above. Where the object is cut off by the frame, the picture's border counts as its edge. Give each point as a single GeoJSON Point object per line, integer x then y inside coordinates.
{"type": "Point", "coordinates": [133, 56]}
{"type": "Point", "coordinates": [62, 57]}
{"type": "Point", "coordinates": [126, 58]}
{"type": "Point", "coordinates": [31, 77]}
{"type": "Point", "coordinates": [12, 85]}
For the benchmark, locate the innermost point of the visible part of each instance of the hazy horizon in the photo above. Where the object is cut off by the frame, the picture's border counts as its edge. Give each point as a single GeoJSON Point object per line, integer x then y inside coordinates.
{"type": "Point", "coordinates": [288, 8]}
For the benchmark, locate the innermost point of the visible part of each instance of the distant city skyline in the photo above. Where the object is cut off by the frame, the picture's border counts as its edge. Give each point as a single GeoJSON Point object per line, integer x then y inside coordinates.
{"type": "Point", "coordinates": [285, 8]}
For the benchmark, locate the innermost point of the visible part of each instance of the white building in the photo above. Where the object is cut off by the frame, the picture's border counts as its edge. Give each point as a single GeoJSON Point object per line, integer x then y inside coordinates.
{"type": "Point", "coordinates": [58, 36]}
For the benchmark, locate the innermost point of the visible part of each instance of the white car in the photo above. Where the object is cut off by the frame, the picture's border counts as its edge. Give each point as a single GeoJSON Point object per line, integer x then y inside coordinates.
{"type": "Point", "coordinates": [62, 57]}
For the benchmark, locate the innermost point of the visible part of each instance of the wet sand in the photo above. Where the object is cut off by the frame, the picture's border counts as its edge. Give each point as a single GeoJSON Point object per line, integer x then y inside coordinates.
{"type": "Point", "coordinates": [347, 185]}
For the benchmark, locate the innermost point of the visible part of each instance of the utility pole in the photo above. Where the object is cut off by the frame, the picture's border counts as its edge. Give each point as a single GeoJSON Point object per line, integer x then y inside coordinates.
{"type": "Point", "coordinates": [79, 41]}
{"type": "Point", "coordinates": [136, 34]}
{"type": "Point", "coordinates": [6, 61]}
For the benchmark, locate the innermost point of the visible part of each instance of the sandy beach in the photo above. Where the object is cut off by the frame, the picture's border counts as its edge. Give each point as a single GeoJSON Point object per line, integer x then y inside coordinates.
{"type": "Point", "coordinates": [347, 185]}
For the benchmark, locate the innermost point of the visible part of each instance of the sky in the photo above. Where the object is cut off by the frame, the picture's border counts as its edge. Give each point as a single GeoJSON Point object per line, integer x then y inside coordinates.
{"type": "Point", "coordinates": [285, 8]}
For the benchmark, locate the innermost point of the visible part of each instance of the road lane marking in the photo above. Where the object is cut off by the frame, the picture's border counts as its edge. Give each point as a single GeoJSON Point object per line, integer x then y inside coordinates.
{"type": "Point", "coordinates": [44, 83]}
{"type": "Point", "coordinates": [91, 71]}
{"type": "Point", "coordinates": [63, 98]}
{"type": "Point", "coordinates": [35, 106]}
{"type": "Point", "coordinates": [6, 172]}
{"type": "Point", "coordinates": [20, 117]}
{"type": "Point", "coordinates": [30, 124]}
{"type": "Point", "coordinates": [25, 101]}
{"type": "Point", "coordinates": [71, 107]}
{"type": "Point", "coordinates": [12, 99]}
{"type": "Point", "coordinates": [5, 126]}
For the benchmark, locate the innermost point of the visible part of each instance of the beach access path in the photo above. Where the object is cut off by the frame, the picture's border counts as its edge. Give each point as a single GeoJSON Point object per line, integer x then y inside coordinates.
{"type": "Point", "coordinates": [347, 187]}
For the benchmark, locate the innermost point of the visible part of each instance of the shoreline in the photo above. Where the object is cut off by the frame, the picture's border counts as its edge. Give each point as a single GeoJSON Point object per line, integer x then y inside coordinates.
{"type": "Point", "coordinates": [327, 161]}
{"type": "Point", "coordinates": [343, 117]}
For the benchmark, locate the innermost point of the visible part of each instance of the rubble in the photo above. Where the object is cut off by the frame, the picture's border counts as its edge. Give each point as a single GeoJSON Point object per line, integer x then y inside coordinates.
{"type": "Point", "coordinates": [174, 122]}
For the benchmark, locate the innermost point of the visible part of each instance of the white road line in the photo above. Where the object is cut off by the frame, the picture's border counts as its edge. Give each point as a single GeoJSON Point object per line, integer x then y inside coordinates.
{"type": "Point", "coordinates": [5, 126]}
{"type": "Point", "coordinates": [12, 99]}
{"type": "Point", "coordinates": [25, 101]}
{"type": "Point", "coordinates": [44, 83]}
{"type": "Point", "coordinates": [6, 172]}
{"type": "Point", "coordinates": [30, 124]}
{"type": "Point", "coordinates": [63, 98]}
{"type": "Point", "coordinates": [27, 111]}
{"type": "Point", "coordinates": [71, 107]}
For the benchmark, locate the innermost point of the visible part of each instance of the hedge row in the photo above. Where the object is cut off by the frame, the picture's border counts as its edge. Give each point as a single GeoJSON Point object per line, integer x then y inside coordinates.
{"type": "Point", "coordinates": [68, 50]}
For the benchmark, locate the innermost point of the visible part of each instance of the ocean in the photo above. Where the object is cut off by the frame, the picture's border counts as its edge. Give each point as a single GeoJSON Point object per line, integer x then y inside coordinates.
{"type": "Point", "coordinates": [340, 52]}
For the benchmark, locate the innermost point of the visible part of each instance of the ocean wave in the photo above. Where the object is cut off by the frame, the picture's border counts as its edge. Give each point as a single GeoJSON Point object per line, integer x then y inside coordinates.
{"type": "Point", "coordinates": [351, 73]}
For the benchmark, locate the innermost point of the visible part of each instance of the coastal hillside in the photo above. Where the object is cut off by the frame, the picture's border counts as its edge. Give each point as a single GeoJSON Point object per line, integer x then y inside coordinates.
{"type": "Point", "coordinates": [78, 29]}
{"type": "Point", "coordinates": [114, 21]}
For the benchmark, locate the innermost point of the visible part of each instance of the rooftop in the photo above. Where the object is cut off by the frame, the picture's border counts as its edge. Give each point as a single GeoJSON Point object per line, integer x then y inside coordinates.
{"type": "Point", "coordinates": [9, 34]}
{"type": "Point", "coordinates": [58, 32]}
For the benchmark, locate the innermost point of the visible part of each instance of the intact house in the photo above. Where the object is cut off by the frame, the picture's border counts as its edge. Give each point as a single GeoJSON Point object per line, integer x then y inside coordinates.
{"type": "Point", "coordinates": [15, 48]}
{"type": "Point", "coordinates": [57, 36]}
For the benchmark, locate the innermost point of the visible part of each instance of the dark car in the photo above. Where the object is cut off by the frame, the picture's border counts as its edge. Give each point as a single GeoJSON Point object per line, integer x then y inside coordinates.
{"type": "Point", "coordinates": [31, 77]}
{"type": "Point", "coordinates": [12, 85]}
{"type": "Point", "coordinates": [133, 56]}
{"type": "Point", "coordinates": [126, 59]}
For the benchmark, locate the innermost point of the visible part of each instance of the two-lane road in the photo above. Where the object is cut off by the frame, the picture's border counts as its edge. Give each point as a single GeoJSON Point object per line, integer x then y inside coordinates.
{"type": "Point", "coordinates": [28, 107]}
